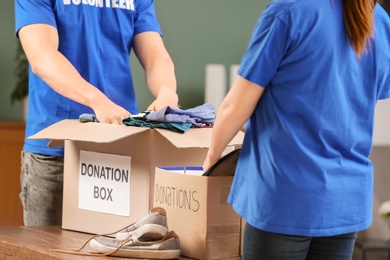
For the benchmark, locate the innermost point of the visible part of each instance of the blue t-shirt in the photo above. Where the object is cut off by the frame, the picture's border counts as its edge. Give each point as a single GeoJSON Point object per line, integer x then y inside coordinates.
{"type": "Point", "coordinates": [96, 36]}
{"type": "Point", "coordinates": [304, 166]}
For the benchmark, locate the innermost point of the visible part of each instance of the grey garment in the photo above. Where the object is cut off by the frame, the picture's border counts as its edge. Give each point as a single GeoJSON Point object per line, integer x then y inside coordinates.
{"type": "Point", "coordinates": [83, 118]}
{"type": "Point", "coordinates": [41, 189]}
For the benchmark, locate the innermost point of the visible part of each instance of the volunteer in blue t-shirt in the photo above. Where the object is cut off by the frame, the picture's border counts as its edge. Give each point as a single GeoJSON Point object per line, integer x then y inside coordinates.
{"type": "Point", "coordinates": [79, 55]}
{"type": "Point", "coordinates": [307, 88]}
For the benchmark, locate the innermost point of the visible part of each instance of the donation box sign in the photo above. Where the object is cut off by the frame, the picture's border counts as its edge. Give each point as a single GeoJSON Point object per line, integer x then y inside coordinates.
{"type": "Point", "coordinates": [104, 183]}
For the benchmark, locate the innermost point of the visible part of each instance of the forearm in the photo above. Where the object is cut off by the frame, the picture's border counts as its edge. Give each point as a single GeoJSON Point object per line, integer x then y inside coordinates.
{"type": "Point", "coordinates": [53, 68]}
{"type": "Point", "coordinates": [234, 112]}
{"type": "Point", "coordinates": [228, 123]}
{"type": "Point", "coordinates": [60, 75]}
{"type": "Point", "coordinates": [159, 69]}
{"type": "Point", "coordinates": [161, 77]}
{"type": "Point", "coordinates": [161, 81]}
{"type": "Point", "coordinates": [40, 43]}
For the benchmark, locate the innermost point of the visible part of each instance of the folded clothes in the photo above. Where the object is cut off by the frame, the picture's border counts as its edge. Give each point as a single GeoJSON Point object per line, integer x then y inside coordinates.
{"type": "Point", "coordinates": [199, 116]}
{"type": "Point", "coordinates": [176, 127]}
{"type": "Point", "coordinates": [175, 119]}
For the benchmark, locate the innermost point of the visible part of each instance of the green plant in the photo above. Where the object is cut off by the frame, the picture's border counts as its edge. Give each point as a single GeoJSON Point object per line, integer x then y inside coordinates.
{"type": "Point", "coordinates": [20, 90]}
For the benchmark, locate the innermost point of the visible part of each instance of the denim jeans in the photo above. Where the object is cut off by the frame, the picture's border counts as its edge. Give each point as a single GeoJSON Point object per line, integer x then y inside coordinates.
{"type": "Point", "coordinates": [41, 195]}
{"type": "Point", "coordinates": [262, 245]}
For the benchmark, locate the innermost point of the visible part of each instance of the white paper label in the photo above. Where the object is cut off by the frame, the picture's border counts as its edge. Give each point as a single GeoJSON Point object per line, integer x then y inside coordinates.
{"type": "Point", "coordinates": [104, 183]}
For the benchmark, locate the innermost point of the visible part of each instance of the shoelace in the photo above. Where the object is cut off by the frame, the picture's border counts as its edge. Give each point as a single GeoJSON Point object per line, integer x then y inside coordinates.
{"type": "Point", "coordinates": [169, 235]}
{"type": "Point", "coordinates": [77, 251]}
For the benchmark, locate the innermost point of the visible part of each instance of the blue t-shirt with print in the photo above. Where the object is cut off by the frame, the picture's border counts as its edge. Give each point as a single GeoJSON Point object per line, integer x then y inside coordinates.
{"type": "Point", "coordinates": [96, 36]}
{"type": "Point", "coordinates": [304, 166]}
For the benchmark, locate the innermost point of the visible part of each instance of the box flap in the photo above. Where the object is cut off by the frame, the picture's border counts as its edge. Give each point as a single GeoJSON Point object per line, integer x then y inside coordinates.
{"type": "Point", "coordinates": [73, 129]}
{"type": "Point", "coordinates": [195, 137]}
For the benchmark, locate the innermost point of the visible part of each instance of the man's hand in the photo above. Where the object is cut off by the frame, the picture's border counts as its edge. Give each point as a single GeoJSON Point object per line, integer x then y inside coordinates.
{"type": "Point", "coordinates": [166, 97]}
{"type": "Point", "coordinates": [108, 112]}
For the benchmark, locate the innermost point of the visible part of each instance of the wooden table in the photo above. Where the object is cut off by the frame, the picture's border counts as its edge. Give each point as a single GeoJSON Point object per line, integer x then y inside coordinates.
{"type": "Point", "coordinates": [38, 242]}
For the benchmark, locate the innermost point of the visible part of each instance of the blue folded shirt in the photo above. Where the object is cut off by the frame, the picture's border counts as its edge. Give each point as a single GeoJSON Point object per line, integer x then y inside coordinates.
{"type": "Point", "coordinates": [199, 116]}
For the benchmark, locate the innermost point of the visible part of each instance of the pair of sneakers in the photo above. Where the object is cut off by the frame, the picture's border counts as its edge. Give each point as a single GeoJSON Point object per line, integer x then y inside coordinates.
{"type": "Point", "coordinates": [149, 238]}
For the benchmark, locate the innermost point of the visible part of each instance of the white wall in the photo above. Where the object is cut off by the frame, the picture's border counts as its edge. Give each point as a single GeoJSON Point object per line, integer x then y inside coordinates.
{"type": "Point", "coordinates": [382, 123]}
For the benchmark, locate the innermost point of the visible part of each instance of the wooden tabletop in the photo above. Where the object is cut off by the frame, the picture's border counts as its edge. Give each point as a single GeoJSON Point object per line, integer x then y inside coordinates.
{"type": "Point", "coordinates": [38, 242]}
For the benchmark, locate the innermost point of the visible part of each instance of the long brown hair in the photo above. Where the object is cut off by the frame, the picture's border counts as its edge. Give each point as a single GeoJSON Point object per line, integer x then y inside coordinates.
{"type": "Point", "coordinates": [359, 22]}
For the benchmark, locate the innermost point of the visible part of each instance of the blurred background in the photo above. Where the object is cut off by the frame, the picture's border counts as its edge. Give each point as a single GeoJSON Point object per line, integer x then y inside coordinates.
{"type": "Point", "coordinates": [196, 33]}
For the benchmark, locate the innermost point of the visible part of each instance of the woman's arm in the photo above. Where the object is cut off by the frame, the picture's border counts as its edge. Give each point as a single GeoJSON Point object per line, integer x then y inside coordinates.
{"type": "Point", "coordinates": [233, 113]}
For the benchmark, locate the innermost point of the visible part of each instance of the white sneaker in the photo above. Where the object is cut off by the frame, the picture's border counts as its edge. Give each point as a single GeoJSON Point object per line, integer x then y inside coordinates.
{"type": "Point", "coordinates": [166, 248]}
{"type": "Point", "coordinates": [151, 227]}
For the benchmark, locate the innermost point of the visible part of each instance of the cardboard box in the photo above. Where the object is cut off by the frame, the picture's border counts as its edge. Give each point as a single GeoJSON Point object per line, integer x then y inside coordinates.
{"type": "Point", "coordinates": [109, 169]}
{"type": "Point", "coordinates": [197, 210]}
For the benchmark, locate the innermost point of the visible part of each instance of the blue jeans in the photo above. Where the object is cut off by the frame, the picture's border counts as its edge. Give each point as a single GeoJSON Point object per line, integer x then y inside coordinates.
{"type": "Point", "coordinates": [41, 195]}
{"type": "Point", "coordinates": [262, 245]}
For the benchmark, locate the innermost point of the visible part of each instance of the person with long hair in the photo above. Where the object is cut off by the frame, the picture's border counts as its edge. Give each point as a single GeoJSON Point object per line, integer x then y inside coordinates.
{"type": "Point", "coordinates": [306, 92]}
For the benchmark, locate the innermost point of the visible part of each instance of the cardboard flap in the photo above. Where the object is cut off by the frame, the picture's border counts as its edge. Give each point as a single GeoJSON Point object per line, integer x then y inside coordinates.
{"type": "Point", "coordinates": [196, 137]}
{"type": "Point", "coordinates": [73, 129]}
{"type": "Point", "coordinates": [56, 143]}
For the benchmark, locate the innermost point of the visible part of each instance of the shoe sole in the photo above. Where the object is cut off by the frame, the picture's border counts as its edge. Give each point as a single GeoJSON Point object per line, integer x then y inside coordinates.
{"type": "Point", "coordinates": [136, 253]}
{"type": "Point", "coordinates": [146, 232]}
